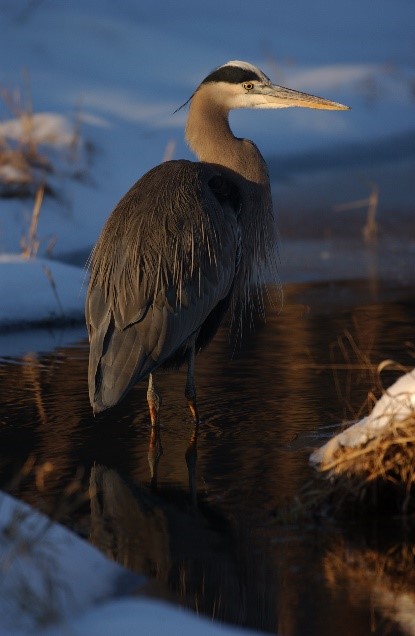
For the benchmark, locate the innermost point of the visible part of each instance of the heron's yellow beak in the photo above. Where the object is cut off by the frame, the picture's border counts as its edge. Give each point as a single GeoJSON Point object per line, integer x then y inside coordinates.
{"type": "Point", "coordinates": [280, 97]}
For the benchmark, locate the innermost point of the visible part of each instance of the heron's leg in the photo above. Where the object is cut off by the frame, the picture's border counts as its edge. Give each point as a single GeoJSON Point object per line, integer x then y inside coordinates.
{"type": "Point", "coordinates": [155, 449]}
{"type": "Point", "coordinates": [190, 390]}
{"type": "Point", "coordinates": [153, 401]}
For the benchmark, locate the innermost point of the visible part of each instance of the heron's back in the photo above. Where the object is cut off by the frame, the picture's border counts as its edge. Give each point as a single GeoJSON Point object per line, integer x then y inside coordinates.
{"type": "Point", "coordinates": [161, 274]}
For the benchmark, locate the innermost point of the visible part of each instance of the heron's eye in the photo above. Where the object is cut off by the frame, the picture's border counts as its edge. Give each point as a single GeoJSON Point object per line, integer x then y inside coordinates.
{"type": "Point", "coordinates": [248, 86]}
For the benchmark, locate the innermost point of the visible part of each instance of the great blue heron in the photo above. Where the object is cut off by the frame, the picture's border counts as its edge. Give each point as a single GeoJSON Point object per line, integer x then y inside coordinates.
{"type": "Point", "coordinates": [187, 240]}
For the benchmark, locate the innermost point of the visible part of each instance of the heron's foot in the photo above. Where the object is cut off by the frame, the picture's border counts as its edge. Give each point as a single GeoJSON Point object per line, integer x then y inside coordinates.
{"type": "Point", "coordinates": [154, 403]}
{"type": "Point", "coordinates": [194, 411]}
{"type": "Point", "coordinates": [190, 394]}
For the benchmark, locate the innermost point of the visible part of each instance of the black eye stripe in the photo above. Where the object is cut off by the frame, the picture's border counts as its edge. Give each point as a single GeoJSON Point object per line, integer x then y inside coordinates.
{"type": "Point", "coordinates": [232, 75]}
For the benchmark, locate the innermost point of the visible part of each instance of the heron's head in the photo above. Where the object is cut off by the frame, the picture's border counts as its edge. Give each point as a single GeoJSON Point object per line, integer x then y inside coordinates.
{"type": "Point", "coordinates": [239, 84]}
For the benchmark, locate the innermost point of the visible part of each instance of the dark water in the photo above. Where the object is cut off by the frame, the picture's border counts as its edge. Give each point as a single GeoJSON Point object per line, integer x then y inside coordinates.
{"type": "Point", "coordinates": [264, 405]}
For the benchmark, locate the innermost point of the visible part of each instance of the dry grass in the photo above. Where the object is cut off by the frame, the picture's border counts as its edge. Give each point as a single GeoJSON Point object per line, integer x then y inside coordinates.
{"type": "Point", "coordinates": [37, 152]}
{"type": "Point", "coordinates": [34, 147]}
{"type": "Point", "coordinates": [23, 167]}
{"type": "Point", "coordinates": [30, 243]}
{"type": "Point", "coordinates": [378, 475]}
{"type": "Point", "coordinates": [373, 478]}
{"type": "Point", "coordinates": [389, 456]}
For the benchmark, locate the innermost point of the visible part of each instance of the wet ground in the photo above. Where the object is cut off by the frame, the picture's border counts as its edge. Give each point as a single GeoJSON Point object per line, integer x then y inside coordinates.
{"type": "Point", "coordinates": [265, 402]}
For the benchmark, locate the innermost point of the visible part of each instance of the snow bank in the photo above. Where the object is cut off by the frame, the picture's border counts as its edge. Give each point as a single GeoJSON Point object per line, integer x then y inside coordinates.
{"type": "Point", "coordinates": [146, 617]}
{"type": "Point", "coordinates": [38, 290]}
{"type": "Point", "coordinates": [52, 582]}
{"type": "Point", "coordinates": [48, 574]}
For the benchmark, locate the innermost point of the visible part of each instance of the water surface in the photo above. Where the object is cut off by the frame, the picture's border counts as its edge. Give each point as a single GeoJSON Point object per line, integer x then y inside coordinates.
{"type": "Point", "coordinates": [265, 403]}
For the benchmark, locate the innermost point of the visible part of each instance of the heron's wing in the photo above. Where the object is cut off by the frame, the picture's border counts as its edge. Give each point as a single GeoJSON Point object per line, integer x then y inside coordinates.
{"type": "Point", "coordinates": [166, 258]}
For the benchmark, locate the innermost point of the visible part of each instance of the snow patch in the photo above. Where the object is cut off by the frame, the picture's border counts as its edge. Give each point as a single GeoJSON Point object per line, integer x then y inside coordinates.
{"type": "Point", "coordinates": [48, 574]}
{"type": "Point", "coordinates": [40, 128]}
{"type": "Point", "coordinates": [40, 290]}
{"type": "Point", "coordinates": [396, 404]}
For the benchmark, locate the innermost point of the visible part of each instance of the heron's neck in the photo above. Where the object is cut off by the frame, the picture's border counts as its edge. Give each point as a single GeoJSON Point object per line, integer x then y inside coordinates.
{"type": "Point", "coordinates": [211, 139]}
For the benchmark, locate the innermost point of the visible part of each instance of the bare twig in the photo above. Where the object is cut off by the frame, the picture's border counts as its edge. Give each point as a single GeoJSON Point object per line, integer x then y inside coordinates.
{"type": "Point", "coordinates": [31, 244]}
{"type": "Point", "coordinates": [370, 229]}
{"type": "Point", "coordinates": [51, 280]}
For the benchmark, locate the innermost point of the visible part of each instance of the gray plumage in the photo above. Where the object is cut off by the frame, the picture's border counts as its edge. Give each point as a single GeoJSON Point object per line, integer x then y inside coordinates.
{"type": "Point", "coordinates": [188, 240]}
{"type": "Point", "coordinates": [147, 297]}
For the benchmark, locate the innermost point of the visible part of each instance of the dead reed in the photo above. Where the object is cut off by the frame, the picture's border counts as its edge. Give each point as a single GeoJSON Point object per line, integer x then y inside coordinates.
{"type": "Point", "coordinates": [378, 475]}
{"type": "Point", "coordinates": [23, 165]}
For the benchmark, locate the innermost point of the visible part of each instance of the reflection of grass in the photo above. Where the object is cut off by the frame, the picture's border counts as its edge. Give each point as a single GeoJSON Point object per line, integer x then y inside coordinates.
{"type": "Point", "coordinates": [393, 567]}
{"type": "Point", "coordinates": [385, 577]}
{"type": "Point", "coordinates": [60, 508]}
